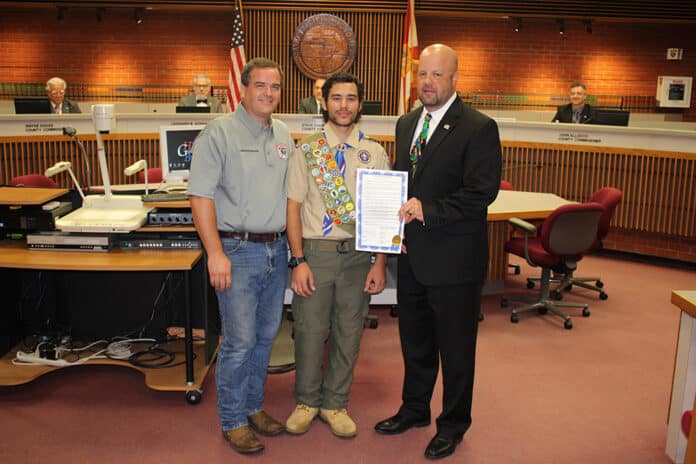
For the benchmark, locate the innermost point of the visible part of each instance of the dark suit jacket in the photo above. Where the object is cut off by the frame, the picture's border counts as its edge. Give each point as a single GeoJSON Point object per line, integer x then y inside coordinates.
{"type": "Point", "coordinates": [309, 106]}
{"type": "Point", "coordinates": [213, 103]}
{"type": "Point", "coordinates": [457, 177]}
{"type": "Point", "coordinates": [67, 107]}
{"type": "Point", "coordinates": [565, 114]}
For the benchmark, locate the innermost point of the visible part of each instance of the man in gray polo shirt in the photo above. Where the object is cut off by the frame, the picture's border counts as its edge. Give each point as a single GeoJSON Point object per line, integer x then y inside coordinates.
{"type": "Point", "coordinates": [238, 196]}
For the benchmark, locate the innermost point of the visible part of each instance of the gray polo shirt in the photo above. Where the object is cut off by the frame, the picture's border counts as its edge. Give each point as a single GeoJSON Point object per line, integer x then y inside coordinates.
{"type": "Point", "coordinates": [242, 165]}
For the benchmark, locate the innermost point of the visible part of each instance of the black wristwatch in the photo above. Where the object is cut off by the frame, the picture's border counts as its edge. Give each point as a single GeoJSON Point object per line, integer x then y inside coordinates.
{"type": "Point", "coordinates": [294, 262]}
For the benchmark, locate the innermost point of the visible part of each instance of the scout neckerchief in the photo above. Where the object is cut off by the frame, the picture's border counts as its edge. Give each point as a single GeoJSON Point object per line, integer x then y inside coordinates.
{"type": "Point", "coordinates": [328, 169]}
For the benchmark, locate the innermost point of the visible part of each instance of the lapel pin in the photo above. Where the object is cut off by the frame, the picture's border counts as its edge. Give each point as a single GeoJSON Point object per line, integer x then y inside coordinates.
{"type": "Point", "coordinates": [446, 126]}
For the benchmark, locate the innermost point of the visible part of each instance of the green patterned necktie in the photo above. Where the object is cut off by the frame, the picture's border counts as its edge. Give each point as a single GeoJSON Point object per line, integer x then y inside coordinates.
{"type": "Point", "coordinates": [417, 149]}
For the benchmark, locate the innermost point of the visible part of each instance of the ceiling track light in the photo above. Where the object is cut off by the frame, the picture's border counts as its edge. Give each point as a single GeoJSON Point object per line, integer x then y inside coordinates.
{"type": "Point", "coordinates": [518, 24]}
{"type": "Point", "coordinates": [561, 26]}
{"type": "Point", "coordinates": [138, 15]}
{"type": "Point", "coordinates": [588, 26]}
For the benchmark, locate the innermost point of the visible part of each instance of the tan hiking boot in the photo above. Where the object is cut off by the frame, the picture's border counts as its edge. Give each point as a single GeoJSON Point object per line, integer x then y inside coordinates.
{"type": "Point", "coordinates": [243, 440]}
{"type": "Point", "coordinates": [300, 419]}
{"type": "Point", "coordinates": [340, 422]}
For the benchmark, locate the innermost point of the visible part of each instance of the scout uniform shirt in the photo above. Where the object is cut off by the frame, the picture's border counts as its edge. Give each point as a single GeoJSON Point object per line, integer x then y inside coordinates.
{"type": "Point", "coordinates": [360, 152]}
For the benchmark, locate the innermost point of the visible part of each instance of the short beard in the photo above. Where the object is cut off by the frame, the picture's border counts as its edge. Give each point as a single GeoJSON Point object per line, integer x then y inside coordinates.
{"type": "Point", "coordinates": [355, 119]}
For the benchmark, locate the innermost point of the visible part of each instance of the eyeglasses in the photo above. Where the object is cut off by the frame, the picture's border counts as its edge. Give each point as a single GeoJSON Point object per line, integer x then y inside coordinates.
{"type": "Point", "coordinates": [57, 92]}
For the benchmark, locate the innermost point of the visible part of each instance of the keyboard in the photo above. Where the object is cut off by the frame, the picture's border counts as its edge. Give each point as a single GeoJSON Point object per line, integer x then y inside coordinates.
{"type": "Point", "coordinates": [165, 196]}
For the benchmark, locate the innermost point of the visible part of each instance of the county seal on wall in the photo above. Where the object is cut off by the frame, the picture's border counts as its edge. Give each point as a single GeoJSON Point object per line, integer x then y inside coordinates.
{"type": "Point", "coordinates": [322, 45]}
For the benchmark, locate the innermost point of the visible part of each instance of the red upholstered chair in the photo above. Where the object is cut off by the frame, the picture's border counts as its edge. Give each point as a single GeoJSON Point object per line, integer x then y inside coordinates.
{"type": "Point", "coordinates": [565, 235]}
{"type": "Point", "coordinates": [154, 176]}
{"type": "Point", "coordinates": [609, 198]}
{"type": "Point", "coordinates": [33, 180]}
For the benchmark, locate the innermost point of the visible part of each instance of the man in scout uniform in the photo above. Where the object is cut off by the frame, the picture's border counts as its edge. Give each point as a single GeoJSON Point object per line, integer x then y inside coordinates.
{"type": "Point", "coordinates": [332, 282]}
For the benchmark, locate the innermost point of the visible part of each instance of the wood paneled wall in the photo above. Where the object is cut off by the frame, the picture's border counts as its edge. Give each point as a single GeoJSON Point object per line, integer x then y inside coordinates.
{"type": "Point", "coordinates": [376, 63]}
{"type": "Point", "coordinates": [659, 188]}
{"type": "Point", "coordinates": [34, 154]}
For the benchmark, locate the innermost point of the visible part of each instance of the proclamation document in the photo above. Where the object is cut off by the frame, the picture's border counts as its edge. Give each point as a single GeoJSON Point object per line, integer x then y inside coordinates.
{"type": "Point", "coordinates": [379, 196]}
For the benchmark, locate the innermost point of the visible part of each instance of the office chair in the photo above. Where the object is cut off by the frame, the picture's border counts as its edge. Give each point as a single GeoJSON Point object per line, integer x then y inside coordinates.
{"type": "Point", "coordinates": [154, 176]}
{"type": "Point", "coordinates": [565, 235]}
{"type": "Point", "coordinates": [33, 180]}
{"type": "Point", "coordinates": [505, 185]}
{"type": "Point", "coordinates": [609, 198]}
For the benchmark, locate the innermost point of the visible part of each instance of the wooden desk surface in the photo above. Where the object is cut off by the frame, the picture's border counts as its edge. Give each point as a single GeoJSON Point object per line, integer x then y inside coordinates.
{"type": "Point", "coordinates": [524, 205]}
{"type": "Point", "coordinates": [16, 255]}
{"type": "Point", "coordinates": [29, 195]}
{"type": "Point", "coordinates": [685, 300]}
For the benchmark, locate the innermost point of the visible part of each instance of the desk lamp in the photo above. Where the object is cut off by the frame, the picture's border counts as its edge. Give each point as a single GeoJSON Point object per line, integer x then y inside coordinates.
{"type": "Point", "coordinates": [135, 168]}
{"type": "Point", "coordinates": [64, 166]}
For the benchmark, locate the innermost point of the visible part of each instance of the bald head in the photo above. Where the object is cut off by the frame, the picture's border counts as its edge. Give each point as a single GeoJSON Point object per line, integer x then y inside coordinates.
{"type": "Point", "coordinates": [437, 75]}
{"type": "Point", "coordinates": [445, 53]}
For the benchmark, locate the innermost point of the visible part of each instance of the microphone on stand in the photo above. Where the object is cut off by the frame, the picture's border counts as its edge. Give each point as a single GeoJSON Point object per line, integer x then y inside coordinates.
{"type": "Point", "coordinates": [72, 133]}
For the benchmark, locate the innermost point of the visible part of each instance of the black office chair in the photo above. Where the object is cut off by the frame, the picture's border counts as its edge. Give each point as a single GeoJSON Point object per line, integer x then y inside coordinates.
{"type": "Point", "coordinates": [565, 235]}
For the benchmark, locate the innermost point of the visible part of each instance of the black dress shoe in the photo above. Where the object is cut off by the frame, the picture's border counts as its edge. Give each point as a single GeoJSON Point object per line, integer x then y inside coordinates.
{"type": "Point", "coordinates": [399, 424]}
{"type": "Point", "coordinates": [441, 446]}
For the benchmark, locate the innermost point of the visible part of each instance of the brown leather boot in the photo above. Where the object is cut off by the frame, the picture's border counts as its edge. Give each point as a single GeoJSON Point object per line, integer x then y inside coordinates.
{"type": "Point", "coordinates": [264, 424]}
{"type": "Point", "coordinates": [243, 440]}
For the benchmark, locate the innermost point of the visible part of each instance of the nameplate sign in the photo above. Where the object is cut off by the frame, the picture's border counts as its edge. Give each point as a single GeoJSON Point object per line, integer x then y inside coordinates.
{"type": "Point", "coordinates": [579, 137]}
{"type": "Point", "coordinates": [36, 127]}
{"type": "Point", "coordinates": [313, 125]}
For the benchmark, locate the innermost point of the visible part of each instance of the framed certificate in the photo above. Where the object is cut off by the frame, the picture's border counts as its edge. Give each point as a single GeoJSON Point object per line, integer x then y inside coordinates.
{"type": "Point", "coordinates": [379, 196]}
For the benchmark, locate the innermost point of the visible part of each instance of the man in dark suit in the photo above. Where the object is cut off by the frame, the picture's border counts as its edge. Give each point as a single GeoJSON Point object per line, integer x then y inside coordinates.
{"type": "Point", "coordinates": [577, 111]}
{"type": "Point", "coordinates": [55, 89]}
{"type": "Point", "coordinates": [441, 271]}
{"type": "Point", "coordinates": [201, 95]}
{"type": "Point", "coordinates": [312, 105]}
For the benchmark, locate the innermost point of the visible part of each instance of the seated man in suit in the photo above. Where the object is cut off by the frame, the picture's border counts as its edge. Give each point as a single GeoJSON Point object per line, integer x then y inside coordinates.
{"type": "Point", "coordinates": [201, 95]}
{"type": "Point", "coordinates": [577, 111]}
{"type": "Point", "coordinates": [55, 89]}
{"type": "Point", "coordinates": [312, 105]}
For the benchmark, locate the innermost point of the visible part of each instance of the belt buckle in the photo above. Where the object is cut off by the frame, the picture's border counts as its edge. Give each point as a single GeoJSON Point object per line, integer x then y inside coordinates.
{"type": "Point", "coordinates": [342, 247]}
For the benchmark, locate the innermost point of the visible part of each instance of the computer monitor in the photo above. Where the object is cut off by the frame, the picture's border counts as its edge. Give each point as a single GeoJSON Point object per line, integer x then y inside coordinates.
{"type": "Point", "coordinates": [611, 117]}
{"type": "Point", "coordinates": [193, 109]}
{"type": "Point", "coordinates": [373, 107]}
{"type": "Point", "coordinates": [32, 105]}
{"type": "Point", "coordinates": [176, 143]}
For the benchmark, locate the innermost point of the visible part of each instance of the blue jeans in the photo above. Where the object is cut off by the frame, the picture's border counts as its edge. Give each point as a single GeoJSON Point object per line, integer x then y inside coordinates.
{"type": "Point", "coordinates": [250, 314]}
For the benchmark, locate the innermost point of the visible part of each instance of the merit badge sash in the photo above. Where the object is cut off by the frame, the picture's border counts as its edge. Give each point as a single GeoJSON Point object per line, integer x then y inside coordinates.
{"type": "Point", "coordinates": [328, 169]}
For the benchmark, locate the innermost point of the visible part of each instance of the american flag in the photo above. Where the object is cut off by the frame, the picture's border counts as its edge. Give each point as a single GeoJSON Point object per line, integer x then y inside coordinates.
{"type": "Point", "coordinates": [237, 59]}
{"type": "Point", "coordinates": [409, 60]}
